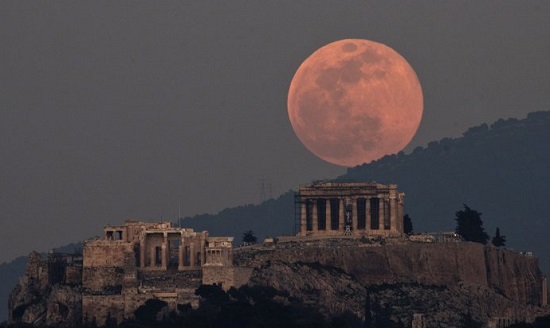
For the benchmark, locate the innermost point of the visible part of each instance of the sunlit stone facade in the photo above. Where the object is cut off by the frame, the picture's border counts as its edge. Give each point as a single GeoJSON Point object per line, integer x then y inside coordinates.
{"type": "Point", "coordinates": [350, 208]}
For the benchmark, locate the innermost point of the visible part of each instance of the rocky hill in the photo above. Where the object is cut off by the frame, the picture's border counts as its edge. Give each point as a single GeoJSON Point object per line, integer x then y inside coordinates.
{"type": "Point", "coordinates": [9, 275]}
{"type": "Point", "coordinates": [382, 282]}
{"type": "Point", "coordinates": [446, 282]}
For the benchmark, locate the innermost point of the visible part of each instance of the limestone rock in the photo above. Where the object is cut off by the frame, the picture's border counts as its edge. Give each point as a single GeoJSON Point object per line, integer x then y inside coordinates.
{"type": "Point", "coordinates": [330, 289]}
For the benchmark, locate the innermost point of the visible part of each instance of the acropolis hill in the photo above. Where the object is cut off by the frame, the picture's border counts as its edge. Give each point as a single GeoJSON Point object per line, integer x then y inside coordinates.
{"type": "Point", "coordinates": [350, 252]}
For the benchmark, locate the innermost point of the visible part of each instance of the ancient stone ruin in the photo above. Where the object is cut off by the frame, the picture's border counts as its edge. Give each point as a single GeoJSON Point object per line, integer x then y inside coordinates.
{"type": "Point", "coordinates": [350, 208]}
{"type": "Point", "coordinates": [349, 254]}
{"type": "Point", "coordinates": [132, 263]}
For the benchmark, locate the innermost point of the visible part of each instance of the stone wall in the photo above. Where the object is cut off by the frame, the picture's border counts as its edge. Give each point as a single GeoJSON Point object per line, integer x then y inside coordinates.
{"type": "Point", "coordinates": [105, 253]}
{"type": "Point", "coordinates": [218, 275]}
{"type": "Point", "coordinates": [73, 275]}
{"type": "Point", "coordinates": [103, 280]}
{"type": "Point", "coordinates": [104, 264]}
{"type": "Point", "coordinates": [169, 280]}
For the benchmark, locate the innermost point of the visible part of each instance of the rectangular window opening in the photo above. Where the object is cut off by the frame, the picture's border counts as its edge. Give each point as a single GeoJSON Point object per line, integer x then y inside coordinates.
{"type": "Point", "coordinates": [334, 213]}
{"type": "Point", "coordinates": [361, 213]}
{"type": "Point", "coordinates": [374, 214]}
{"type": "Point", "coordinates": [322, 214]}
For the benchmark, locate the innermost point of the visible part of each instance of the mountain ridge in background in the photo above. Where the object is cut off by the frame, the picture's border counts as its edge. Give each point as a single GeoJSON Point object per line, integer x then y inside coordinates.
{"type": "Point", "coordinates": [501, 170]}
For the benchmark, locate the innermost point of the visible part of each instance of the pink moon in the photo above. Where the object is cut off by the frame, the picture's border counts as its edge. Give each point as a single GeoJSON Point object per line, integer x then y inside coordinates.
{"type": "Point", "coordinates": [354, 101]}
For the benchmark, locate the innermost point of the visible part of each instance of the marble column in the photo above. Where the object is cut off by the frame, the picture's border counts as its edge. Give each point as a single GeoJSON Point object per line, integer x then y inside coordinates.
{"type": "Point", "coordinates": [387, 217]}
{"type": "Point", "coordinates": [164, 252]}
{"type": "Point", "coordinates": [341, 215]}
{"type": "Point", "coordinates": [303, 214]}
{"type": "Point", "coordinates": [400, 211]}
{"type": "Point", "coordinates": [192, 255]}
{"type": "Point", "coordinates": [381, 213]}
{"type": "Point", "coordinates": [367, 209]}
{"type": "Point", "coordinates": [142, 250]}
{"type": "Point", "coordinates": [163, 258]}
{"type": "Point", "coordinates": [328, 216]}
{"type": "Point", "coordinates": [395, 226]}
{"type": "Point", "coordinates": [181, 254]}
{"type": "Point", "coordinates": [181, 249]}
{"type": "Point", "coordinates": [203, 251]}
{"type": "Point", "coordinates": [354, 214]}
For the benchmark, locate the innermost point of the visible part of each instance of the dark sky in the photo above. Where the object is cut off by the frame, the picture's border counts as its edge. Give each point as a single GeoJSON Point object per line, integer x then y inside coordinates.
{"type": "Point", "coordinates": [116, 110]}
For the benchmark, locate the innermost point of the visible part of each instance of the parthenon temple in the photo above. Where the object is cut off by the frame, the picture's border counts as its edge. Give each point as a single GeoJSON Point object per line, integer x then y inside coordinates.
{"type": "Point", "coordinates": [349, 208]}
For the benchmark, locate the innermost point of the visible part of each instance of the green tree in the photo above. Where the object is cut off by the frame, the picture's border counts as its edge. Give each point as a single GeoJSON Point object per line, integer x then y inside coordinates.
{"type": "Point", "coordinates": [469, 322]}
{"type": "Point", "coordinates": [249, 238]}
{"type": "Point", "coordinates": [407, 224]}
{"type": "Point", "coordinates": [470, 226]}
{"type": "Point", "coordinates": [147, 313]}
{"type": "Point", "coordinates": [499, 240]}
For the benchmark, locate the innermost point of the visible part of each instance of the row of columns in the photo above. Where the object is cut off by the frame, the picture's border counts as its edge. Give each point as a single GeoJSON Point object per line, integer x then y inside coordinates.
{"type": "Point", "coordinates": [392, 208]}
{"type": "Point", "coordinates": [164, 253]}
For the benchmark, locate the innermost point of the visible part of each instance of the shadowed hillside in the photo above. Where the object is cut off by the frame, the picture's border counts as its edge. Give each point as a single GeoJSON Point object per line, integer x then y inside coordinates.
{"type": "Point", "coordinates": [502, 170]}
{"type": "Point", "coordinates": [274, 217]}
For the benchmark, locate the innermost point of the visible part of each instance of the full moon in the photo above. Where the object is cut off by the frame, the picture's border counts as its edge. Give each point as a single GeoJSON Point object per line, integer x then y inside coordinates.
{"type": "Point", "coordinates": [354, 101]}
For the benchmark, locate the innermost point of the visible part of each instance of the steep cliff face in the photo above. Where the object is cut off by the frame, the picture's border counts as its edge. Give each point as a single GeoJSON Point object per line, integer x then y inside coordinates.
{"type": "Point", "coordinates": [39, 305]}
{"type": "Point", "coordinates": [448, 282]}
{"type": "Point", "coordinates": [516, 276]}
{"type": "Point", "coordinates": [380, 281]}
{"type": "Point", "coordinates": [38, 301]}
{"type": "Point", "coordinates": [331, 290]}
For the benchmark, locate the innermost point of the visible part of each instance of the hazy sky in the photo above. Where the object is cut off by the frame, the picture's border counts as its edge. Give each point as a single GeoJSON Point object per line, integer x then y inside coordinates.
{"type": "Point", "coordinates": [114, 110]}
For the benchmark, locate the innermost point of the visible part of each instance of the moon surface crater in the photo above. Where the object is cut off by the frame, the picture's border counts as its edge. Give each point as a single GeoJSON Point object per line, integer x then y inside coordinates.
{"type": "Point", "coordinates": [354, 101]}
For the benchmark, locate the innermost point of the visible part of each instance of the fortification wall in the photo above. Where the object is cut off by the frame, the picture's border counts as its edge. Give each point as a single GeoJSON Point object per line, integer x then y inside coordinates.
{"type": "Point", "coordinates": [104, 264]}
{"type": "Point", "coordinates": [218, 275]}
{"type": "Point", "coordinates": [105, 253]}
{"type": "Point", "coordinates": [516, 276]}
{"type": "Point", "coordinates": [105, 281]}
{"type": "Point", "coordinates": [73, 275]}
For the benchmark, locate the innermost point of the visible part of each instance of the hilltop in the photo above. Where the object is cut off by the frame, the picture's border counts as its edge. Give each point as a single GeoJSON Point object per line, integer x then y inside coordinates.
{"type": "Point", "coordinates": [371, 281]}
{"type": "Point", "coordinates": [499, 169]}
